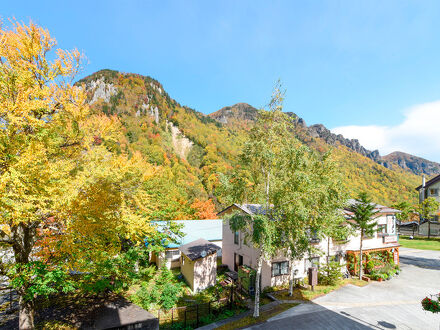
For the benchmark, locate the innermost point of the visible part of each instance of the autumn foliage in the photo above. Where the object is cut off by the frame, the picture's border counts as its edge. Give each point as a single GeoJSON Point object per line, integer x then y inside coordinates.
{"type": "Point", "coordinates": [204, 209]}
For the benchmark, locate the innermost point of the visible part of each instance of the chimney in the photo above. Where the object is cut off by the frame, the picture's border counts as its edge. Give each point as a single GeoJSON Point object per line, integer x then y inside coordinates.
{"type": "Point", "coordinates": [422, 190]}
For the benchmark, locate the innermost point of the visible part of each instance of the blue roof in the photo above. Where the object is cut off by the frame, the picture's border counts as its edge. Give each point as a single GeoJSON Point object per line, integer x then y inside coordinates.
{"type": "Point", "coordinates": [211, 230]}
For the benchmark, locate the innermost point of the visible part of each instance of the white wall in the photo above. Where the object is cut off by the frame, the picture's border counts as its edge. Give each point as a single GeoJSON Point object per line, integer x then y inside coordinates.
{"type": "Point", "coordinates": [250, 254]}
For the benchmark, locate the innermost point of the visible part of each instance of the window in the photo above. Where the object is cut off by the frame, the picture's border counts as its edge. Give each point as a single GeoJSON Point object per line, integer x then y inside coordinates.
{"type": "Point", "coordinates": [433, 192]}
{"type": "Point", "coordinates": [313, 235]}
{"type": "Point", "coordinates": [381, 229]}
{"type": "Point", "coordinates": [236, 237]}
{"type": "Point", "coordinates": [173, 255]}
{"type": "Point", "coordinates": [280, 268]}
{"type": "Point", "coordinates": [182, 260]}
{"type": "Point", "coordinates": [311, 262]}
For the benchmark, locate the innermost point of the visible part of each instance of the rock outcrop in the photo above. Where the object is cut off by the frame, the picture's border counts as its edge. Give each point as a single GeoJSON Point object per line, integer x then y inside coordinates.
{"type": "Point", "coordinates": [181, 144]}
{"type": "Point", "coordinates": [324, 133]}
{"type": "Point", "coordinates": [101, 90]}
{"type": "Point", "coordinates": [412, 163]}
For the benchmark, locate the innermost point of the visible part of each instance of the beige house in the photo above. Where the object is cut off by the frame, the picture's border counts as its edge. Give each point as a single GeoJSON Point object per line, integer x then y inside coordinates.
{"type": "Point", "coordinates": [429, 189]}
{"type": "Point", "coordinates": [198, 264]}
{"type": "Point", "coordinates": [276, 271]}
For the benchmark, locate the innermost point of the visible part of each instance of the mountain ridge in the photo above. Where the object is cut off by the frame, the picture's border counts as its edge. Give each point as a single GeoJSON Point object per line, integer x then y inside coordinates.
{"type": "Point", "coordinates": [192, 150]}
{"type": "Point", "coordinates": [412, 163]}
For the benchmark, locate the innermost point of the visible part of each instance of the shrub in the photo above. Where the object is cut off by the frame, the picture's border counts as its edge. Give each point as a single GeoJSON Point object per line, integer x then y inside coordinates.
{"type": "Point", "coordinates": [163, 291]}
{"type": "Point", "coordinates": [369, 266]}
{"type": "Point", "coordinates": [330, 274]}
{"type": "Point", "coordinates": [431, 305]}
{"type": "Point", "coordinates": [170, 294]}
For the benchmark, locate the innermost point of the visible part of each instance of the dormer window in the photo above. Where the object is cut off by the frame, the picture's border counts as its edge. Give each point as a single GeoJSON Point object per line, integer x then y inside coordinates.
{"type": "Point", "coordinates": [433, 192]}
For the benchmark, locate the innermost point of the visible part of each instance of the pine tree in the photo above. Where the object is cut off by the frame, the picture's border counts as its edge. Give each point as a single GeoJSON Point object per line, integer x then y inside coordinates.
{"type": "Point", "coordinates": [364, 213]}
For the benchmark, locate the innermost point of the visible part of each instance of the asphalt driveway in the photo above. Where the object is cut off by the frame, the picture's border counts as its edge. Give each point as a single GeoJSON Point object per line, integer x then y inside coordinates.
{"type": "Point", "coordinates": [393, 304]}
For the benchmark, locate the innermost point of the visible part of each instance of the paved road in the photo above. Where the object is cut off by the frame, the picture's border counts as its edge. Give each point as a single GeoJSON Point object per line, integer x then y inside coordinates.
{"type": "Point", "coordinates": [393, 304]}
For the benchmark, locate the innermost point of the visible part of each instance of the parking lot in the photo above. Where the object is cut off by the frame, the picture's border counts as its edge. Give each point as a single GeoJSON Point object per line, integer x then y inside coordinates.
{"type": "Point", "coordinates": [393, 304]}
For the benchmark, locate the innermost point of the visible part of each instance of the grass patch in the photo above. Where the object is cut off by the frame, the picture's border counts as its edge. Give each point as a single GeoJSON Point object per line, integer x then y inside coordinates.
{"type": "Point", "coordinates": [355, 281]}
{"type": "Point", "coordinates": [250, 320]}
{"type": "Point", "coordinates": [54, 325]}
{"type": "Point", "coordinates": [265, 300]}
{"type": "Point", "coordinates": [320, 290]}
{"type": "Point", "coordinates": [421, 243]}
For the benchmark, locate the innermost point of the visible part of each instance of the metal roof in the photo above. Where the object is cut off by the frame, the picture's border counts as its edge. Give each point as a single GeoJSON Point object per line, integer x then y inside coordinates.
{"type": "Point", "coordinates": [210, 230]}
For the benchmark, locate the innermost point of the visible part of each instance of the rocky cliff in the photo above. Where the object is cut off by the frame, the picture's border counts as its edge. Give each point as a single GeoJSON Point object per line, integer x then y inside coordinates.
{"type": "Point", "coordinates": [243, 114]}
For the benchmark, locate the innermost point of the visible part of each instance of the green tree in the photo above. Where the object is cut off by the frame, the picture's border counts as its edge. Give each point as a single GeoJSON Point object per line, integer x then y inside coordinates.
{"type": "Point", "coordinates": [406, 210]}
{"type": "Point", "coordinates": [258, 231]}
{"type": "Point", "coordinates": [308, 197]}
{"type": "Point", "coordinates": [364, 213]}
{"type": "Point", "coordinates": [427, 209]}
{"type": "Point", "coordinates": [261, 152]}
{"type": "Point", "coordinates": [300, 189]}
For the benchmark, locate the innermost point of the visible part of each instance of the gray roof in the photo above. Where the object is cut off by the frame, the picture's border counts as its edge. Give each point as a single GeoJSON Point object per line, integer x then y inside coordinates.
{"type": "Point", "coordinates": [379, 208]}
{"type": "Point", "coordinates": [194, 250]}
{"type": "Point", "coordinates": [122, 313]}
{"type": "Point", "coordinates": [430, 182]}
{"type": "Point", "coordinates": [247, 208]}
{"type": "Point", "coordinates": [253, 209]}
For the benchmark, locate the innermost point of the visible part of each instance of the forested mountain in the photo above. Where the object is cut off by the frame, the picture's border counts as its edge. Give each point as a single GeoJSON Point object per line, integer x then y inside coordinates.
{"type": "Point", "coordinates": [190, 149]}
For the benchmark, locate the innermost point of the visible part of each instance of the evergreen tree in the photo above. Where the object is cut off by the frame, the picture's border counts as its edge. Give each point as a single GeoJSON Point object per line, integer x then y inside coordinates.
{"type": "Point", "coordinates": [364, 213]}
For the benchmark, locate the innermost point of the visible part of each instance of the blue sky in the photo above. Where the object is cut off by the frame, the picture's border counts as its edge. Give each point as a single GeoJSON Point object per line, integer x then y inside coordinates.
{"type": "Point", "coordinates": [362, 68]}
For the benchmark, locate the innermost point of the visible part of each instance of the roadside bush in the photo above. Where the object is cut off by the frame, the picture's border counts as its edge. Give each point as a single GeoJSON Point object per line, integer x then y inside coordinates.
{"type": "Point", "coordinates": [163, 291]}
{"type": "Point", "coordinates": [330, 274]}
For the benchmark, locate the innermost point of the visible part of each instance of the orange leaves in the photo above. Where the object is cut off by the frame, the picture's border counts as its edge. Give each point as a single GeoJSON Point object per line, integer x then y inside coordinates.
{"type": "Point", "coordinates": [204, 209]}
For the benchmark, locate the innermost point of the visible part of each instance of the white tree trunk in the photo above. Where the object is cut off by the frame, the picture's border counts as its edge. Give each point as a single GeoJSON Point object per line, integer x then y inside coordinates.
{"type": "Point", "coordinates": [328, 255]}
{"type": "Point", "coordinates": [292, 278]}
{"type": "Point", "coordinates": [360, 256]}
{"type": "Point", "coordinates": [26, 315]}
{"type": "Point", "coordinates": [257, 287]}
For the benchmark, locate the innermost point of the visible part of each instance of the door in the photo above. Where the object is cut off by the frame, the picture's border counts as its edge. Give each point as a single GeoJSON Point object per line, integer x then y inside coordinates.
{"type": "Point", "coordinates": [238, 261]}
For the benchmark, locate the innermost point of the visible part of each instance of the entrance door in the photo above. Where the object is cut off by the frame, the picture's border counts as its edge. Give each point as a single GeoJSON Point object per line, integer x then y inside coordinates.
{"type": "Point", "coordinates": [238, 261]}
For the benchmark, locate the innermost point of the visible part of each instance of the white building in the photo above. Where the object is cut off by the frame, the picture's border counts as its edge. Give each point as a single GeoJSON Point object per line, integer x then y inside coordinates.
{"type": "Point", "coordinates": [276, 271]}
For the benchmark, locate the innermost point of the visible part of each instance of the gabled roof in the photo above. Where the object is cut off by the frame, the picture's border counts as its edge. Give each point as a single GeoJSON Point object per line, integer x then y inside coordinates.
{"type": "Point", "coordinates": [198, 249]}
{"type": "Point", "coordinates": [378, 208]}
{"type": "Point", "coordinates": [430, 182]}
{"type": "Point", "coordinates": [210, 230]}
{"type": "Point", "coordinates": [250, 209]}
{"type": "Point", "coordinates": [253, 209]}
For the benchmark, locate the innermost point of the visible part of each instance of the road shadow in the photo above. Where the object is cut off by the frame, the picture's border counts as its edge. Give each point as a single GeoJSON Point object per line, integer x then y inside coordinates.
{"type": "Point", "coordinates": [427, 263]}
{"type": "Point", "coordinates": [315, 316]}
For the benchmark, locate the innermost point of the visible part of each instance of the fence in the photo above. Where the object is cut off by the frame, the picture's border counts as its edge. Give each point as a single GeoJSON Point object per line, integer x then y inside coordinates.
{"type": "Point", "coordinates": [198, 314]}
{"type": "Point", "coordinates": [7, 299]}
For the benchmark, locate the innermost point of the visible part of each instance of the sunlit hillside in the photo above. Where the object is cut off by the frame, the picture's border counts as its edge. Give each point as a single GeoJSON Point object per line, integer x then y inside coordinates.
{"type": "Point", "coordinates": [191, 149]}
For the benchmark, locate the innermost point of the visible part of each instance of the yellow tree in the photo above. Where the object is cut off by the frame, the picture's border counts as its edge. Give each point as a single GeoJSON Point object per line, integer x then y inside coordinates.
{"type": "Point", "coordinates": [58, 162]}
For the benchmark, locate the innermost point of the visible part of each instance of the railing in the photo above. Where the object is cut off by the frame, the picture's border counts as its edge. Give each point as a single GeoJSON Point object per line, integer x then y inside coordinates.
{"type": "Point", "coordinates": [196, 315]}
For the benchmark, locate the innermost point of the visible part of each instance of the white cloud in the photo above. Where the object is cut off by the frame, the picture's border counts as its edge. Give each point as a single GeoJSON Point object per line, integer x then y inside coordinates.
{"type": "Point", "coordinates": [418, 134]}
